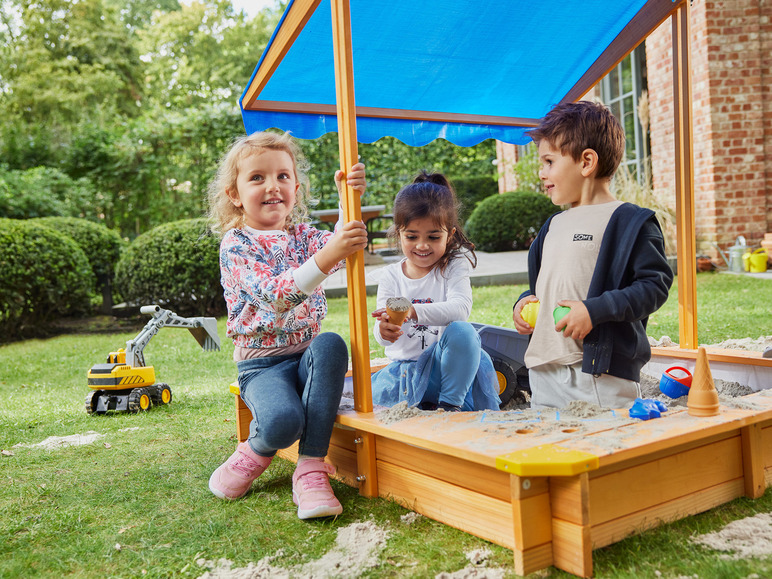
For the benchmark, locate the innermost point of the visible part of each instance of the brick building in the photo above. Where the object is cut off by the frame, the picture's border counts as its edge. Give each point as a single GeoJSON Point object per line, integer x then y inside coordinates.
{"type": "Point", "coordinates": [731, 57]}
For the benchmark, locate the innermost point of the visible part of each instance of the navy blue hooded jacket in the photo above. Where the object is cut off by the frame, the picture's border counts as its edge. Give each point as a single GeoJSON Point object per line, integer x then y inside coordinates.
{"type": "Point", "coordinates": [631, 280]}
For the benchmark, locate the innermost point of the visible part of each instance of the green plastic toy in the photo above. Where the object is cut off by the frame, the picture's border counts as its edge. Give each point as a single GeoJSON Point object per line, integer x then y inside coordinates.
{"type": "Point", "coordinates": [559, 313]}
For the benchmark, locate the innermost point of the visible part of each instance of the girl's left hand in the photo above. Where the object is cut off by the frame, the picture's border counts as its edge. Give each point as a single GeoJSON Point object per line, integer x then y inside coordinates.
{"type": "Point", "coordinates": [389, 332]}
{"type": "Point", "coordinates": [355, 179]}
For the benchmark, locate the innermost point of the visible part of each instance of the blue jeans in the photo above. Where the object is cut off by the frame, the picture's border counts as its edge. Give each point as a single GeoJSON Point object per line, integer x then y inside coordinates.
{"type": "Point", "coordinates": [455, 370]}
{"type": "Point", "coordinates": [456, 359]}
{"type": "Point", "coordinates": [295, 397]}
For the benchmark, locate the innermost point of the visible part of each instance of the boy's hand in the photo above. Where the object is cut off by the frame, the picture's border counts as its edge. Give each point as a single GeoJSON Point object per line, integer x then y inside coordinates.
{"type": "Point", "coordinates": [389, 332]}
{"type": "Point", "coordinates": [521, 325]}
{"type": "Point", "coordinates": [577, 323]}
{"type": "Point", "coordinates": [355, 179]}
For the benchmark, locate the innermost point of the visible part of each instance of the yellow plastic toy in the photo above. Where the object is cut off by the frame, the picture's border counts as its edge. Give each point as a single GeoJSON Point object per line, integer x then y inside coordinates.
{"type": "Point", "coordinates": [756, 261]}
{"type": "Point", "coordinates": [530, 312]}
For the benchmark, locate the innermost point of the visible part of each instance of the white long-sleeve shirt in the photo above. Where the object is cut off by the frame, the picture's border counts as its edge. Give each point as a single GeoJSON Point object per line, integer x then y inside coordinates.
{"type": "Point", "coordinates": [438, 299]}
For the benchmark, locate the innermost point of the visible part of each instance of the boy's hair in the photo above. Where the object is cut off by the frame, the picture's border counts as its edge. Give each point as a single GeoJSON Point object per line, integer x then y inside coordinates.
{"type": "Point", "coordinates": [574, 127]}
{"type": "Point", "coordinates": [431, 195]}
{"type": "Point", "coordinates": [223, 214]}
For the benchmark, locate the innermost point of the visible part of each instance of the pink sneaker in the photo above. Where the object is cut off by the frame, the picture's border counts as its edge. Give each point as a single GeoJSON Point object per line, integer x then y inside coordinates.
{"type": "Point", "coordinates": [311, 490]}
{"type": "Point", "coordinates": [233, 478]}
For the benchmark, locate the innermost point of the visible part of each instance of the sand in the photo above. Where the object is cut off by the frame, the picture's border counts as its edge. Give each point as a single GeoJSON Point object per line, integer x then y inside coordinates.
{"type": "Point", "coordinates": [742, 539]}
{"type": "Point", "coordinates": [356, 550]}
{"type": "Point", "coordinates": [57, 442]}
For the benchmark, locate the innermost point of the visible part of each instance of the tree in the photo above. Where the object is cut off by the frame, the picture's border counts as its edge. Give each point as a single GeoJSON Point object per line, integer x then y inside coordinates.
{"type": "Point", "coordinates": [203, 53]}
{"type": "Point", "coordinates": [78, 60]}
{"type": "Point", "coordinates": [391, 165]}
{"type": "Point", "coordinates": [79, 64]}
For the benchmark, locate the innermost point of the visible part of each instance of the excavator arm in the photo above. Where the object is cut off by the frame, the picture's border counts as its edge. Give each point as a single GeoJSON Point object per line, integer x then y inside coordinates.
{"type": "Point", "coordinates": [204, 330]}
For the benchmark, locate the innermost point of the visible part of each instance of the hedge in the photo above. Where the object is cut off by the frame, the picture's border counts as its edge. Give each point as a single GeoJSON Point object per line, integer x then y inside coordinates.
{"type": "Point", "coordinates": [44, 275]}
{"type": "Point", "coordinates": [509, 221]}
{"type": "Point", "coordinates": [175, 265]}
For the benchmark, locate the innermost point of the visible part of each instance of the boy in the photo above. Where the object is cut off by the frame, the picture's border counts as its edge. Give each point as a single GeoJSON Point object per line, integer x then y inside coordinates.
{"type": "Point", "coordinates": [602, 258]}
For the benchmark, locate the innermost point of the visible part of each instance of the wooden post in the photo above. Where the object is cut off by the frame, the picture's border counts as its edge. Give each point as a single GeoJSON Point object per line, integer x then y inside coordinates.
{"type": "Point", "coordinates": [532, 518]}
{"type": "Point", "coordinates": [753, 460]}
{"type": "Point", "coordinates": [347, 141]}
{"type": "Point", "coordinates": [684, 179]}
{"type": "Point", "coordinates": [571, 528]}
{"type": "Point", "coordinates": [355, 266]}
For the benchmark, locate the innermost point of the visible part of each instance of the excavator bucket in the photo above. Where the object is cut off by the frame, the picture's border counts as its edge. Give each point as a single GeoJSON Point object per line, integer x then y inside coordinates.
{"type": "Point", "coordinates": [205, 333]}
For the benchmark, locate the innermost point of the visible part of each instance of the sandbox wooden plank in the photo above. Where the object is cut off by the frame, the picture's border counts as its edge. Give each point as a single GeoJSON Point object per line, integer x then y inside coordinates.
{"type": "Point", "coordinates": [661, 480]}
{"type": "Point", "coordinates": [478, 514]}
{"type": "Point", "coordinates": [474, 436]}
{"type": "Point", "coordinates": [480, 437]}
{"type": "Point", "coordinates": [637, 522]}
{"type": "Point", "coordinates": [451, 469]}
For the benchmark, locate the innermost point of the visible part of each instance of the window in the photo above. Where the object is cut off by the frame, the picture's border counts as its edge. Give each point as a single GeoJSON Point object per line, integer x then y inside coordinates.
{"type": "Point", "coordinates": [621, 90]}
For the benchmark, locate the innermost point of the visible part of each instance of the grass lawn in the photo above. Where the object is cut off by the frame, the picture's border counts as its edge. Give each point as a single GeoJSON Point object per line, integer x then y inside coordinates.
{"type": "Point", "coordinates": [135, 503]}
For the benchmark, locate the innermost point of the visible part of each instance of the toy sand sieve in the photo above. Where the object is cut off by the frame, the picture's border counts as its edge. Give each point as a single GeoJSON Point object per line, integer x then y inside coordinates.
{"type": "Point", "coordinates": [397, 308]}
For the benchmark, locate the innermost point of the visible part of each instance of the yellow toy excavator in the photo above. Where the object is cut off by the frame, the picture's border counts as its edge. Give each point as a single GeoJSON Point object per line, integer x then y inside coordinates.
{"type": "Point", "coordinates": [124, 383]}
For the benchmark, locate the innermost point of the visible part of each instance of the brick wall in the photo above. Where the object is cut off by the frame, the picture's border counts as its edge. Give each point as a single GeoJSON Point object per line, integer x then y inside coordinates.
{"type": "Point", "coordinates": [732, 114]}
{"type": "Point", "coordinates": [506, 159]}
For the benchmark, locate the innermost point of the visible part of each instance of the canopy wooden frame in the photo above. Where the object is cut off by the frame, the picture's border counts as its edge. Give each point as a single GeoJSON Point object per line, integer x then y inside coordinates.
{"type": "Point", "coordinates": [543, 509]}
{"type": "Point", "coordinates": [651, 15]}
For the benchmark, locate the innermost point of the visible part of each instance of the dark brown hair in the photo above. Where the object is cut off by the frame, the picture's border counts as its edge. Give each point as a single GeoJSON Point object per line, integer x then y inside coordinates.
{"type": "Point", "coordinates": [574, 127]}
{"type": "Point", "coordinates": [431, 195]}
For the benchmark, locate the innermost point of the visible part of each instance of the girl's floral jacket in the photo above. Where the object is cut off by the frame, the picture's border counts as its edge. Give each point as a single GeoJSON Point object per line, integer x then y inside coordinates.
{"type": "Point", "coordinates": [266, 309]}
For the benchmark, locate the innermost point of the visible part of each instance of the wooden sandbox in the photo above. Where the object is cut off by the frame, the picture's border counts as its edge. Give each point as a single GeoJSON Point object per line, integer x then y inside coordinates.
{"type": "Point", "coordinates": [552, 488]}
{"type": "Point", "coordinates": [550, 494]}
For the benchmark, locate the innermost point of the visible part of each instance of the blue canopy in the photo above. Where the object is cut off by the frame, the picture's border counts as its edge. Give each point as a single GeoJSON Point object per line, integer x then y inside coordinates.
{"type": "Point", "coordinates": [461, 70]}
{"type": "Point", "coordinates": [464, 71]}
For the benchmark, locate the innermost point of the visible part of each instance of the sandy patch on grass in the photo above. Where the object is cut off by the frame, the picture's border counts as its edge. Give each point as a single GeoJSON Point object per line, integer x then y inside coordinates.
{"type": "Point", "coordinates": [357, 548]}
{"type": "Point", "coordinates": [477, 568]}
{"type": "Point", "coordinates": [749, 537]}
{"type": "Point", "coordinates": [57, 442]}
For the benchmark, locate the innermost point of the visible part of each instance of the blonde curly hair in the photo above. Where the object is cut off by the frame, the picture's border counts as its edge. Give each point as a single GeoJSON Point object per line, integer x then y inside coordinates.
{"type": "Point", "coordinates": [223, 214]}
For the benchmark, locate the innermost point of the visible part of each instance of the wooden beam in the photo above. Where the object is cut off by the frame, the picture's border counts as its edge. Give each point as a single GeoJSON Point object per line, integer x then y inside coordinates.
{"type": "Point", "coordinates": [404, 114]}
{"type": "Point", "coordinates": [646, 21]}
{"type": "Point", "coordinates": [753, 461]}
{"type": "Point", "coordinates": [571, 529]}
{"type": "Point", "coordinates": [355, 267]}
{"type": "Point", "coordinates": [294, 21]}
{"type": "Point", "coordinates": [684, 180]}
{"type": "Point", "coordinates": [532, 519]}
{"type": "Point", "coordinates": [367, 476]}
{"type": "Point", "coordinates": [715, 355]}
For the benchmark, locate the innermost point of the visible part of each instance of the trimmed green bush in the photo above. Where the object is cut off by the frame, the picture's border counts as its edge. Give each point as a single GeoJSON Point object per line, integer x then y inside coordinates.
{"type": "Point", "coordinates": [509, 221]}
{"type": "Point", "coordinates": [44, 275]}
{"type": "Point", "coordinates": [175, 265]}
{"type": "Point", "coordinates": [471, 190]}
{"type": "Point", "coordinates": [101, 245]}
